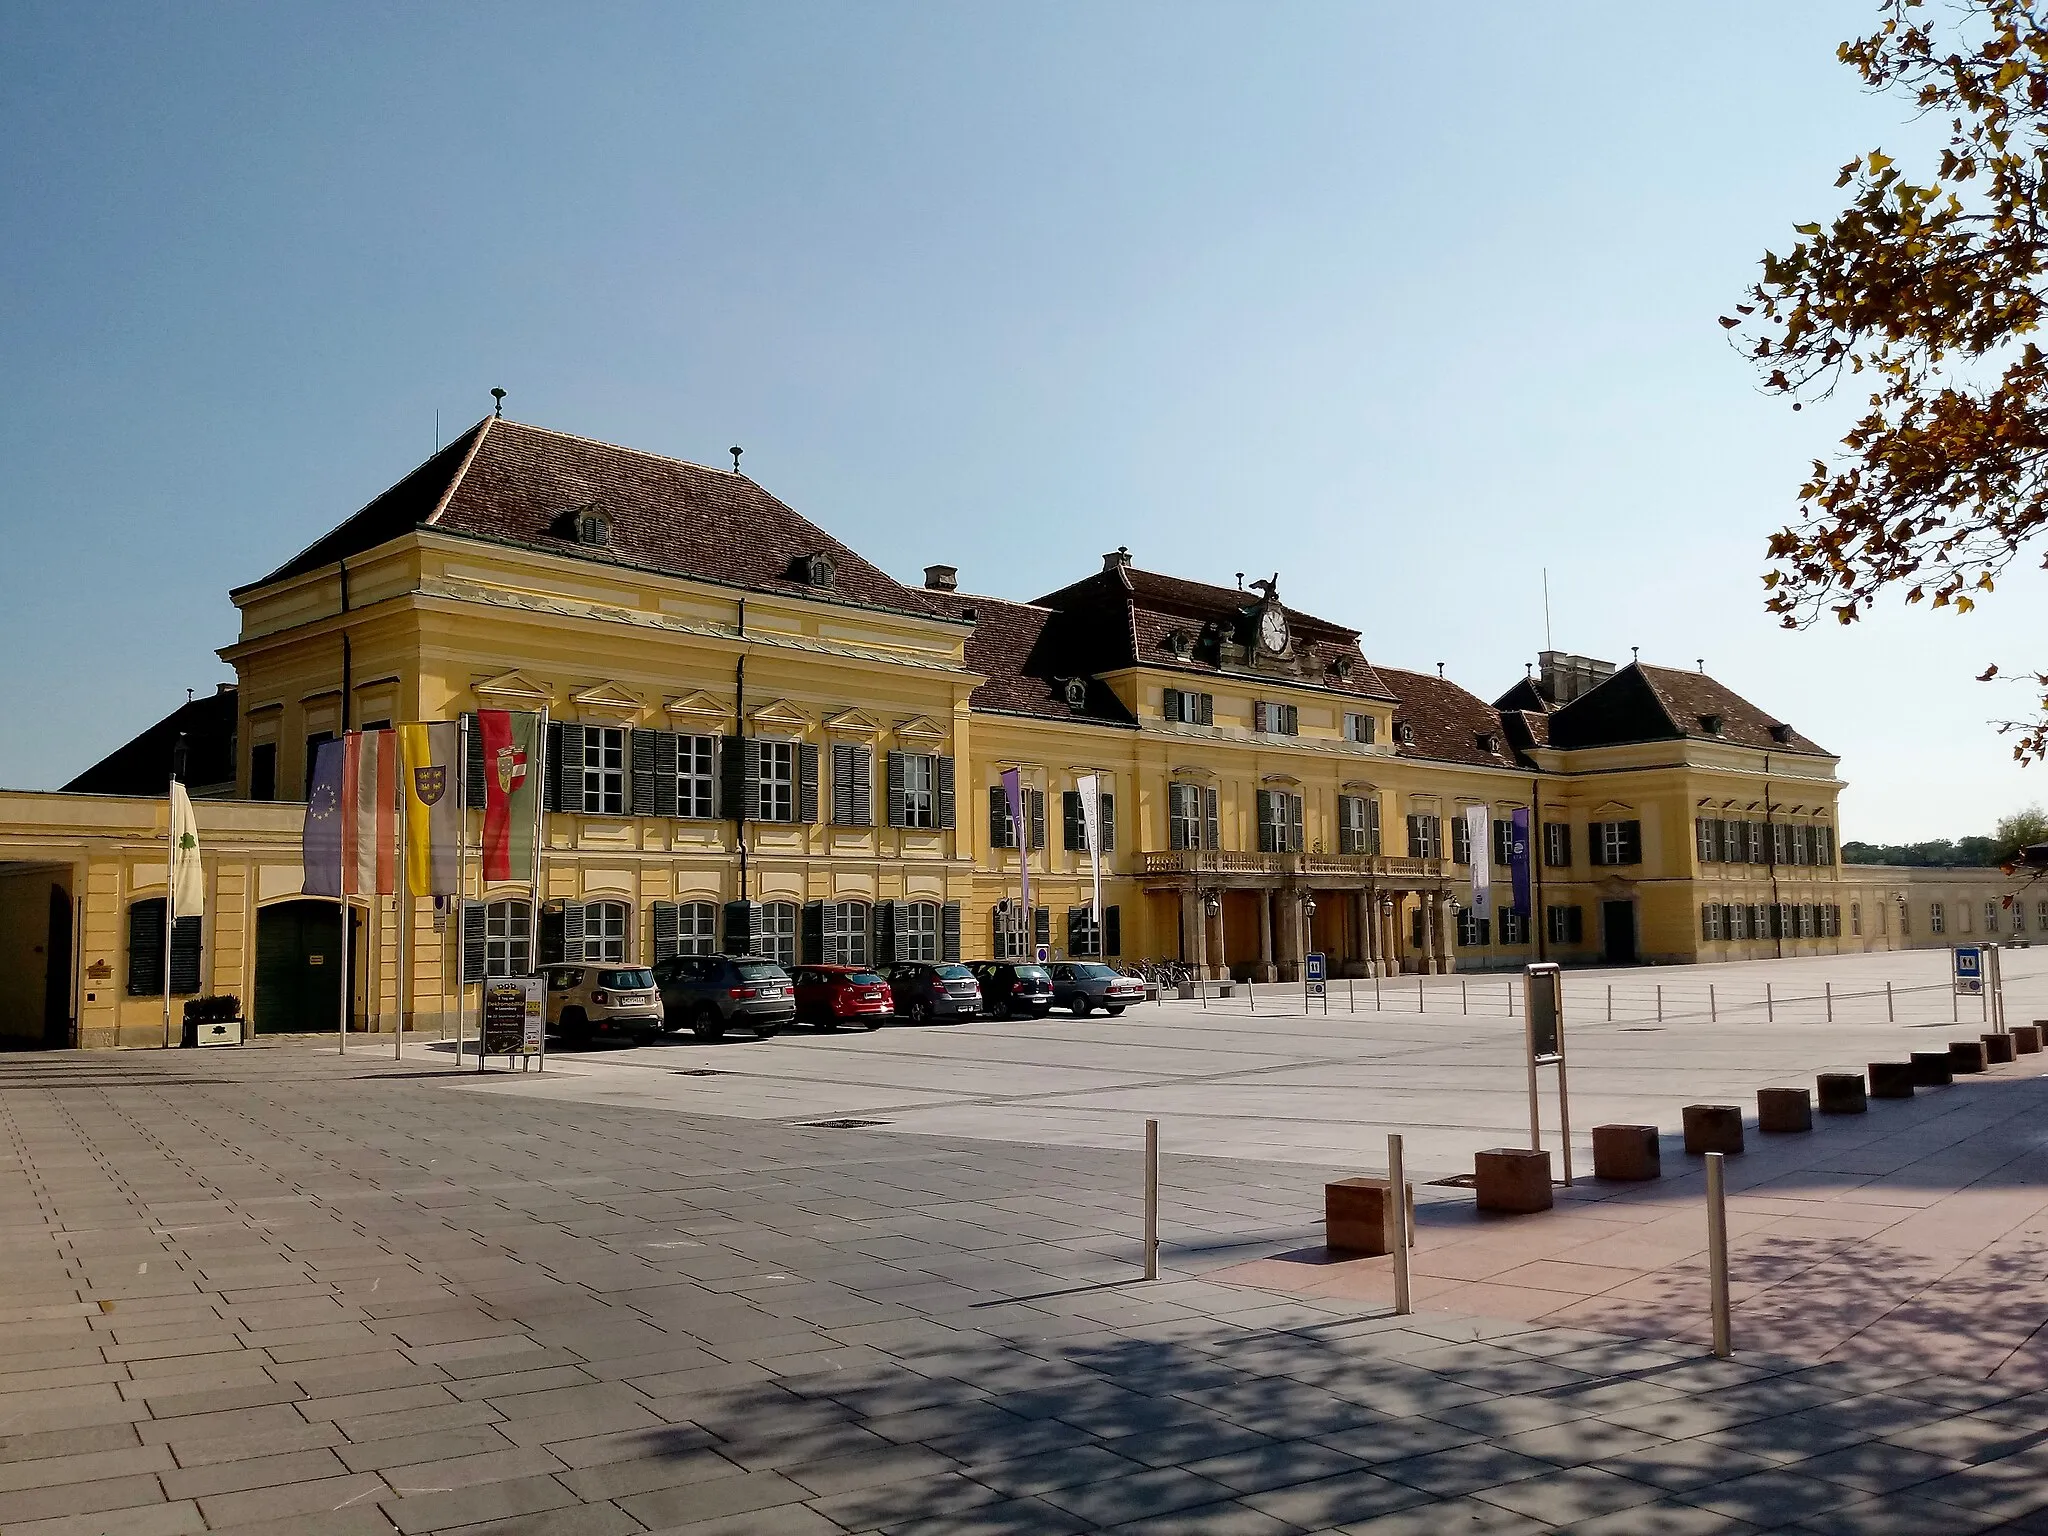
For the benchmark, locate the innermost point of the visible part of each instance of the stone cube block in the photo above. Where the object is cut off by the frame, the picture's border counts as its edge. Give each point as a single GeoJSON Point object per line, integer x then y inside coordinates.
{"type": "Point", "coordinates": [1513, 1179]}
{"type": "Point", "coordinates": [1359, 1215]}
{"type": "Point", "coordinates": [1713, 1128]}
{"type": "Point", "coordinates": [2026, 1039]}
{"type": "Point", "coordinates": [1784, 1109]}
{"type": "Point", "coordinates": [1893, 1079]}
{"type": "Point", "coordinates": [1841, 1093]}
{"type": "Point", "coordinates": [1965, 1056]}
{"type": "Point", "coordinates": [1933, 1069]}
{"type": "Point", "coordinates": [1627, 1152]}
{"type": "Point", "coordinates": [1997, 1050]}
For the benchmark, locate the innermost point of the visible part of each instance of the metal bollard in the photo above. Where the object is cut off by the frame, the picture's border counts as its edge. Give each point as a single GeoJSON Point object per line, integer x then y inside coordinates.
{"type": "Point", "coordinates": [1660, 1002]}
{"type": "Point", "coordinates": [1831, 1002]}
{"type": "Point", "coordinates": [1891, 1014]}
{"type": "Point", "coordinates": [1610, 1002]}
{"type": "Point", "coordinates": [1717, 1254]}
{"type": "Point", "coordinates": [1713, 1009]}
{"type": "Point", "coordinates": [1421, 1002]}
{"type": "Point", "coordinates": [1464, 996]}
{"type": "Point", "coordinates": [1151, 1199]}
{"type": "Point", "coordinates": [1770, 1007]}
{"type": "Point", "coordinates": [1398, 1178]}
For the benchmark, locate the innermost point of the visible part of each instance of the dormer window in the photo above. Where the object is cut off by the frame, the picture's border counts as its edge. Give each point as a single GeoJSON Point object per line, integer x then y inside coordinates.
{"type": "Point", "coordinates": [1076, 689]}
{"type": "Point", "coordinates": [1404, 733]}
{"type": "Point", "coordinates": [1181, 644]}
{"type": "Point", "coordinates": [1341, 669]}
{"type": "Point", "coordinates": [1781, 733]}
{"type": "Point", "coordinates": [1489, 743]}
{"type": "Point", "coordinates": [817, 570]}
{"type": "Point", "coordinates": [1711, 724]}
{"type": "Point", "coordinates": [594, 529]}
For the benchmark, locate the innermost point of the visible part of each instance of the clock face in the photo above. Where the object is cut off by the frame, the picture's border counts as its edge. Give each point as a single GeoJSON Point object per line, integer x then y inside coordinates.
{"type": "Point", "coordinates": [1273, 630]}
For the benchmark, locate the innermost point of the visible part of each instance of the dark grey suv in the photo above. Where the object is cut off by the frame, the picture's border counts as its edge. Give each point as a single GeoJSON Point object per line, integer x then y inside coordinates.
{"type": "Point", "coordinates": [927, 990]}
{"type": "Point", "coordinates": [711, 993]}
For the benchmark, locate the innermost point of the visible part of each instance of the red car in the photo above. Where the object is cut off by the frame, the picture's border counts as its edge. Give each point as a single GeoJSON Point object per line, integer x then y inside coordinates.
{"type": "Point", "coordinates": [829, 995]}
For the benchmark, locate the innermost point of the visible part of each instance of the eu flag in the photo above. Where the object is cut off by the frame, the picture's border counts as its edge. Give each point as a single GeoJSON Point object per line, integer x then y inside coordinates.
{"type": "Point", "coordinates": [321, 846]}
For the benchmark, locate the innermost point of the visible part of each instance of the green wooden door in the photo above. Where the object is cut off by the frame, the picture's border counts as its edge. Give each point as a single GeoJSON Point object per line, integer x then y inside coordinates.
{"type": "Point", "coordinates": [298, 968]}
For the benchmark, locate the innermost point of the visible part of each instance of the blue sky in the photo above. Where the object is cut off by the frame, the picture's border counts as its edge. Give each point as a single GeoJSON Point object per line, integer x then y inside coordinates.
{"type": "Point", "coordinates": [1405, 303]}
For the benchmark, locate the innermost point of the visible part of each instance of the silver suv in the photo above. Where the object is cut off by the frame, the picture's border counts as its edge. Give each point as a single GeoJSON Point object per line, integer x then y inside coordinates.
{"type": "Point", "coordinates": [589, 1001]}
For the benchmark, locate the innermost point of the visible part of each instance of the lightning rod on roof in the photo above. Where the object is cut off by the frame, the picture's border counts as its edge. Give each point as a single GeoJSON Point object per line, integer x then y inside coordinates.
{"type": "Point", "coordinates": [497, 403]}
{"type": "Point", "coordinates": [735, 450]}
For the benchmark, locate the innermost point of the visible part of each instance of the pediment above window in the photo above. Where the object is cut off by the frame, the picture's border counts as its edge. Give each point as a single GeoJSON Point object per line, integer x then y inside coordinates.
{"type": "Point", "coordinates": [1613, 810]}
{"type": "Point", "coordinates": [606, 698]}
{"type": "Point", "coordinates": [1287, 779]}
{"type": "Point", "coordinates": [1192, 771]}
{"type": "Point", "coordinates": [1360, 786]}
{"type": "Point", "coordinates": [513, 688]}
{"type": "Point", "coordinates": [780, 715]}
{"type": "Point", "coordinates": [920, 728]}
{"type": "Point", "coordinates": [853, 722]}
{"type": "Point", "coordinates": [699, 709]}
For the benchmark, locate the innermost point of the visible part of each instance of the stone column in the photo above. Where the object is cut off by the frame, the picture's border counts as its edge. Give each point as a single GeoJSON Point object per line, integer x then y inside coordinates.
{"type": "Point", "coordinates": [1193, 926]}
{"type": "Point", "coordinates": [1266, 970]}
{"type": "Point", "coordinates": [1219, 961]}
{"type": "Point", "coordinates": [1450, 931]}
{"type": "Point", "coordinates": [1432, 934]}
{"type": "Point", "coordinates": [1389, 919]}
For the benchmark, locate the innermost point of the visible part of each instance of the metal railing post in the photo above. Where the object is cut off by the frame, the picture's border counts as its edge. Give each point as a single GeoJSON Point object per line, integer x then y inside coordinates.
{"type": "Point", "coordinates": [1717, 1254]}
{"type": "Point", "coordinates": [1151, 1199]}
{"type": "Point", "coordinates": [1398, 1178]}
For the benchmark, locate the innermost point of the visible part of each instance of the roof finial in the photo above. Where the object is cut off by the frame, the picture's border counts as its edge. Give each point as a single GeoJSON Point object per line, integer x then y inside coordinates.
{"type": "Point", "coordinates": [1439, 669]}
{"type": "Point", "coordinates": [1635, 653]}
{"type": "Point", "coordinates": [1703, 665]}
{"type": "Point", "coordinates": [497, 403]}
{"type": "Point", "coordinates": [1240, 581]}
{"type": "Point", "coordinates": [735, 450]}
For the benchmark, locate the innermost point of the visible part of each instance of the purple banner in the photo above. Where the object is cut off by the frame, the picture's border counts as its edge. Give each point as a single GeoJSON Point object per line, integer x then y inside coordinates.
{"type": "Point", "coordinates": [1013, 796]}
{"type": "Point", "coordinates": [1518, 859]}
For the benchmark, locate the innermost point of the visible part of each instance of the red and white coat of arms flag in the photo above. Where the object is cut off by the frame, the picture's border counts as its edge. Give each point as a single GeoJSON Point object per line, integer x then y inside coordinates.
{"type": "Point", "coordinates": [512, 778]}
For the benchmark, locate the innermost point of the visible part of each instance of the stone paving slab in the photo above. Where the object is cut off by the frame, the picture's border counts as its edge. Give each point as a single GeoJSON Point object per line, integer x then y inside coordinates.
{"type": "Point", "coordinates": [583, 1319]}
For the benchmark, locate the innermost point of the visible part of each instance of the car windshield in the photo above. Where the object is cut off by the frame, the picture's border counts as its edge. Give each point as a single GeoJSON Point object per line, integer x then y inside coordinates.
{"type": "Point", "coordinates": [758, 970]}
{"type": "Point", "coordinates": [1032, 973]}
{"type": "Point", "coordinates": [1094, 973]}
{"type": "Point", "coordinates": [954, 973]}
{"type": "Point", "coordinates": [864, 979]}
{"type": "Point", "coordinates": [626, 981]}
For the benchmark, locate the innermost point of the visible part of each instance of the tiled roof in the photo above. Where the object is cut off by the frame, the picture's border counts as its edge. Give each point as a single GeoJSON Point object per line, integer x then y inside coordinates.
{"type": "Point", "coordinates": [527, 486]}
{"type": "Point", "coordinates": [143, 766]}
{"type": "Point", "coordinates": [1028, 653]}
{"type": "Point", "coordinates": [1448, 723]}
{"type": "Point", "coordinates": [1130, 617]}
{"type": "Point", "coordinates": [1647, 703]}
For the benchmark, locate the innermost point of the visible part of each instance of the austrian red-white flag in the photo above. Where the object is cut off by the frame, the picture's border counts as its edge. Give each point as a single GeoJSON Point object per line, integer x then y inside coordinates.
{"type": "Point", "coordinates": [369, 823]}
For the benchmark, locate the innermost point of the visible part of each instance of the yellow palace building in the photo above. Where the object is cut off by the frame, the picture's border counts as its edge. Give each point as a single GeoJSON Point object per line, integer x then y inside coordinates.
{"type": "Point", "coordinates": [755, 732]}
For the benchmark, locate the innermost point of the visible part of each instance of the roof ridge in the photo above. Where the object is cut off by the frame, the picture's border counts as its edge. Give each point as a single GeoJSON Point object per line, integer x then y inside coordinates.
{"type": "Point", "coordinates": [482, 430]}
{"type": "Point", "coordinates": [644, 453]}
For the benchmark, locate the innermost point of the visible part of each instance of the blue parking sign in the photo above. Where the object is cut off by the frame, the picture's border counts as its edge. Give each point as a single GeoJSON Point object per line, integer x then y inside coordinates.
{"type": "Point", "coordinates": [1969, 963]}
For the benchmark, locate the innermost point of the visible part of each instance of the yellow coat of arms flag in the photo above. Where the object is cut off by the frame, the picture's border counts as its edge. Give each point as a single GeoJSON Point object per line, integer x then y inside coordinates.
{"type": "Point", "coordinates": [428, 779]}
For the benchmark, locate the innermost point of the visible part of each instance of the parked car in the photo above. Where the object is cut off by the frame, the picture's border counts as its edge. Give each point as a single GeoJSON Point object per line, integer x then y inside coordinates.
{"type": "Point", "coordinates": [1011, 988]}
{"type": "Point", "coordinates": [586, 1002]}
{"type": "Point", "coordinates": [1085, 985]}
{"type": "Point", "coordinates": [710, 993]}
{"type": "Point", "coordinates": [829, 995]}
{"type": "Point", "coordinates": [927, 990]}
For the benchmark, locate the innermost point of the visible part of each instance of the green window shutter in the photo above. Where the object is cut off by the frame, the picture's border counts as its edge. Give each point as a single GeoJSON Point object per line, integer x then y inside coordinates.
{"type": "Point", "coordinates": [897, 772]}
{"type": "Point", "coordinates": [1112, 931]}
{"type": "Point", "coordinates": [742, 927]}
{"type": "Point", "coordinates": [146, 947]}
{"type": "Point", "coordinates": [1075, 834]}
{"type": "Point", "coordinates": [667, 762]}
{"type": "Point", "coordinates": [945, 765]}
{"type": "Point", "coordinates": [811, 949]}
{"type": "Point", "coordinates": [1631, 842]}
{"type": "Point", "coordinates": [1077, 931]}
{"type": "Point", "coordinates": [640, 754]}
{"type": "Point", "coordinates": [473, 787]}
{"type": "Point", "coordinates": [1212, 820]}
{"type": "Point", "coordinates": [570, 787]}
{"type": "Point", "coordinates": [949, 931]}
{"type": "Point", "coordinates": [666, 929]}
{"type": "Point", "coordinates": [1171, 707]}
{"type": "Point", "coordinates": [1295, 824]}
{"type": "Point", "coordinates": [884, 921]}
{"type": "Point", "coordinates": [473, 955]}
{"type": "Point", "coordinates": [1205, 709]}
{"type": "Point", "coordinates": [999, 828]}
{"type": "Point", "coordinates": [1178, 818]}
{"type": "Point", "coordinates": [1035, 805]}
{"type": "Point", "coordinates": [1269, 835]}
{"type": "Point", "coordinates": [185, 978]}
{"type": "Point", "coordinates": [1108, 826]}
{"type": "Point", "coordinates": [842, 784]}
{"type": "Point", "coordinates": [1041, 926]}
{"type": "Point", "coordinates": [806, 782]}
{"type": "Point", "coordinates": [572, 932]}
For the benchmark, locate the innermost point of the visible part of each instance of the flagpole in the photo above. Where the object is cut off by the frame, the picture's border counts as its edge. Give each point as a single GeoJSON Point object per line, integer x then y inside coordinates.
{"type": "Point", "coordinates": [341, 1032]}
{"type": "Point", "coordinates": [461, 872]}
{"type": "Point", "coordinates": [404, 884]}
{"type": "Point", "coordinates": [170, 893]}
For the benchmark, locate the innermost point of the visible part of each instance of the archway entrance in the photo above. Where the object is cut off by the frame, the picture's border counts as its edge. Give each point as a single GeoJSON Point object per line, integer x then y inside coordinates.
{"type": "Point", "coordinates": [298, 968]}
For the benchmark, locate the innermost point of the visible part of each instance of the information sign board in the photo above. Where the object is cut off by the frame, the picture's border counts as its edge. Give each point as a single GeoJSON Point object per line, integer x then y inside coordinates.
{"type": "Point", "coordinates": [1317, 975]}
{"type": "Point", "coordinates": [1969, 964]}
{"type": "Point", "coordinates": [515, 1016]}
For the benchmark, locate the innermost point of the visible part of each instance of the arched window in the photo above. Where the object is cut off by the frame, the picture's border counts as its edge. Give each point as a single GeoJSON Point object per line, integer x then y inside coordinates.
{"type": "Point", "coordinates": [777, 941]}
{"type": "Point", "coordinates": [508, 938]}
{"type": "Point", "coordinates": [846, 933]}
{"type": "Point", "coordinates": [917, 930]}
{"type": "Point", "coordinates": [605, 926]}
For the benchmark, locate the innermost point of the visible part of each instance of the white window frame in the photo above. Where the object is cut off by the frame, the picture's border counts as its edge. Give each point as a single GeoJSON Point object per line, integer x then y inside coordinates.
{"type": "Point", "coordinates": [777, 939]}
{"type": "Point", "coordinates": [1186, 707]}
{"type": "Point", "coordinates": [1711, 931]}
{"type": "Point", "coordinates": [1183, 811]}
{"type": "Point", "coordinates": [1363, 729]}
{"type": "Point", "coordinates": [1557, 837]}
{"type": "Point", "coordinates": [1091, 937]}
{"type": "Point", "coordinates": [846, 933]}
{"type": "Point", "coordinates": [917, 931]}
{"type": "Point", "coordinates": [604, 770]}
{"type": "Point", "coordinates": [1513, 928]}
{"type": "Point", "coordinates": [508, 938]}
{"type": "Point", "coordinates": [1010, 935]}
{"type": "Point", "coordinates": [775, 771]}
{"type": "Point", "coordinates": [1612, 841]}
{"type": "Point", "coordinates": [697, 780]}
{"type": "Point", "coordinates": [1937, 919]}
{"type": "Point", "coordinates": [1990, 918]}
{"type": "Point", "coordinates": [1856, 919]}
{"type": "Point", "coordinates": [697, 928]}
{"type": "Point", "coordinates": [1738, 920]}
{"type": "Point", "coordinates": [607, 932]}
{"type": "Point", "coordinates": [920, 800]}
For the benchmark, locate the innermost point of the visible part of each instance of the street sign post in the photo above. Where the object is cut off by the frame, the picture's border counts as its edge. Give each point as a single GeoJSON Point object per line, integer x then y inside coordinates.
{"type": "Point", "coordinates": [1315, 979]}
{"type": "Point", "coordinates": [1543, 1035]}
{"type": "Point", "coordinates": [1978, 974]}
{"type": "Point", "coordinates": [1969, 968]}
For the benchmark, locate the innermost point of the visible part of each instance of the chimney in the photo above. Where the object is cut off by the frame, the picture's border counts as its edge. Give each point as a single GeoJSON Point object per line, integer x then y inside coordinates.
{"type": "Point", "coordinates": [942, 578]}
{"type": "Point", "coordinates": [1118, 558]}
{"type": "Point", "coordinates": [221, 688]}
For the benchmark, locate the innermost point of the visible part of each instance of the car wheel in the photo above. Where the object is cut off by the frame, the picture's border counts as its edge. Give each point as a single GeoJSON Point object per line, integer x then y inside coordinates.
{"type": "Point", "coordinates": [646, 1036]}
{"type": "Point", "coordinates": [1082, 1007]}
{"type": "Point", "coordinates": [1114, 1010]}
{"type": "Point", "coordinates": [920, 1013]}
{"type": "Point", "coordinates": [576, 1028]}
{"type": "Point", "coordinates": [705, 1023]}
